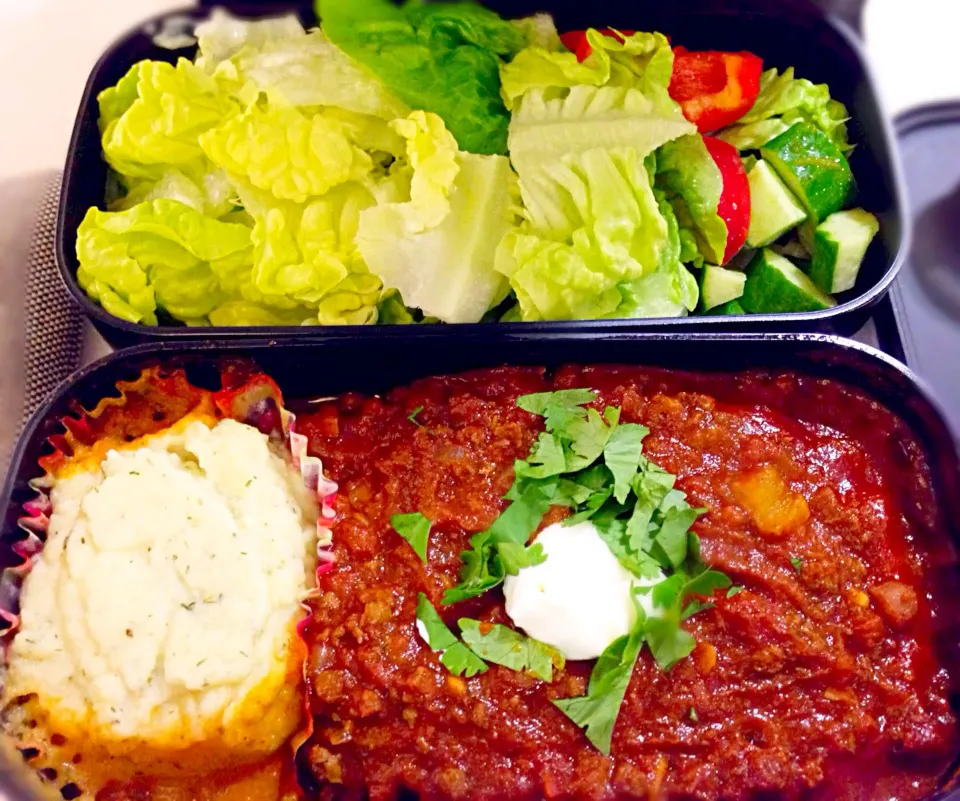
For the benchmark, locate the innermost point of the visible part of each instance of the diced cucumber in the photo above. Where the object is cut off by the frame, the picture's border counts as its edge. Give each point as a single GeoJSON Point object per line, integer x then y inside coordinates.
{"type": "Point", "coordinates": [719, 285]}
{"type": "Point", "coordinates": [773, 208]}
{"type": "Point", "coordinates": [775, 285]}
{"type": "Point", "coordinates": [730, 307]}
{"type": "Point", "coordinates": [812, 167]}
{"type": "Point", "coordinates": [839, 245]}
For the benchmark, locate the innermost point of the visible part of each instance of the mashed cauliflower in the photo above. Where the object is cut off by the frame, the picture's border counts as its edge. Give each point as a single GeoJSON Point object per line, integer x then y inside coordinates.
{"type": "Point", "coordinates": [159, 621]}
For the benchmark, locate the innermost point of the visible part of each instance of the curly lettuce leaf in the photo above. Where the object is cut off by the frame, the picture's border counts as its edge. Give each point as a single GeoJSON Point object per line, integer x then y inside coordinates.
{"type": "Point", "coordinates": [211, 193]}
{"type": "Point", "coordinates": [600, 228]}
{"type": "Point", "coordinates": [694, 184]}
{"type": "Point", "coordinates": [158, 125]}
{"type": "Point", "coordinates": [278, 57]}
{"type": "Point", "coordinates": [440, 57]}
{"type": "Point", "coordinates": [643, 61]}
{"type": "Point", "coordinates": [307, 256]}
{"type": "Point", "coordinates": [670, 290]}
{"type": "Point", "coordinates": [286, 152]}
{"type": "Point", "coordinates": [445, 269]}
{"type": "Point", "coordinates": [159, 253]}
{"type": "Point", "coordinates": [792, 99]}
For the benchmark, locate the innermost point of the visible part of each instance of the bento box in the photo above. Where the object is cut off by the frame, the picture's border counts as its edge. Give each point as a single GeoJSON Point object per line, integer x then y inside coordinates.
{"type": "Point", "coordinates": [831, 450]}
{"type": "Point", "coordinates": [793, 34]}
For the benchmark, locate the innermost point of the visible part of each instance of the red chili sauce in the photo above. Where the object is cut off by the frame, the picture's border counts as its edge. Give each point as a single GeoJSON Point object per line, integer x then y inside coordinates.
{"type": "Point", "coordinates": [818, 681]}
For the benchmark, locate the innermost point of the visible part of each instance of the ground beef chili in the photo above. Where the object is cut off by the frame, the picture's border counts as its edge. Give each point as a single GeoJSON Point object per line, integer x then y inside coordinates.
{"type": "Point", "coordinates": [817, 681]}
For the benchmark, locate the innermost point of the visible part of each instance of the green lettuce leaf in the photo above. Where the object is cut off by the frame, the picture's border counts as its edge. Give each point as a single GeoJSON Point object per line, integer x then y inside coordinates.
{"type": "Point", "coordinates": [669, 291]}
{"type": "Point", "coordinates": [278, 57]}
{"type": "Point", "coordinates": [286, 152]}
{"type": "Point", "coordinates": [159, 253]}
{"type": "Point", "coordinates": [791, 99]}
{"type": "Point", "coordinates": [594, 224]}
{"type": "Point", "coordinates": [440, 57]}
{"type": "Point", "coordinates": [307, 256]}
{"type": "Point", "coordinates": [153, 117]}
{"type": "Point", "coordinates": [438, 248]}
{"type": "Point", "coordinates": [693, 182]}
{"type": "Point", "coordinates": [211, 193]}
{"type": "Point", "coordinates": [752, 135]}
{"type": "Point", "coordinates": [643, 61]}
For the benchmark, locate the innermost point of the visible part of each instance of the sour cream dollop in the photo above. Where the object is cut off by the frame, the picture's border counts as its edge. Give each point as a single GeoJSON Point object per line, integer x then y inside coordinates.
{"type": "Point", "coordinates": [578, 600]}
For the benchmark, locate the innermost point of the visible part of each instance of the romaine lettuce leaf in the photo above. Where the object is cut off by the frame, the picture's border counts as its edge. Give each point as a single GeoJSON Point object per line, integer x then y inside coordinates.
{"type": "Point", "coordinates": [669, 291]}
{"type": "Point", "coordinates": [145, 133]}
{"type": "Point", "coordinates": [440, 57]}
{"type": "Point", "coordinates": [643, 61]}
{"type": "Point", "coordinates": [593, 224]}
{"type": "Point", "coordinates": [687, 172]}
{"type": "Point", "coordinates": [159, 253]}
{"type": "Point", "coordinates": [438, 248]}
{"type": "Point", "coordinates": [286, 152]}
{"type": "Point", "coordinates": [752, 135]}
{"type": "Point", "coordinates": [782, 95]}
{"type": "Point", "coordinates": [293, 67]}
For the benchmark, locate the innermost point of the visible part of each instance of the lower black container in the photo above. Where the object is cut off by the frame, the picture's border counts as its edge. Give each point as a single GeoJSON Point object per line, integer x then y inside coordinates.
{"type": "Point", "coordinates": [786, 33]}
{"type": "Point", "coordinates": [308, 369]}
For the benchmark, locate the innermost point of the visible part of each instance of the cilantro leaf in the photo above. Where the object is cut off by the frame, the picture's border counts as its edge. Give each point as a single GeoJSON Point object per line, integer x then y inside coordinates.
{"type": "Point", "coordinates": [504, 646]}
{"type": "Point", "coordinates": [415, 529]}
{"type": "Point", "coordinates": [695, 606]}
{"type": "Point", "coordinates": [412, 417]}
{"type": "Point", "coordinates": [671, 540]}
{"type": "Point", "coordinates": [558, 408]}
{"type": "Point", "coordinates": [797, 563]}
{"type": "Point", "coordinates": [546, 459]}
{"type": "Point", "coordinates": [515, 556]}
{"type": "Point", "coordinates": [667, 641]}
{"type": "Point", "coordinates": [589, 436]}
{"type": "Point", "coordinates": [706, 583]}
{"type": "Point", "coordinates": [590, 507]}
{"type": "Point", "coordinates": [454, 655]}
{"type": "Point", "coordinates": [613, 533]}
{"type": "Point", "coordinates": [622, 455]}
{"type": "Point", "coordinates": [521, 518]}
{"type": "Point", "coordinates": [437, 635]}
{"type": "Point", "coordinates": [482, 570]}
{"type": "Point", "coordinates": [461, 661]}
{"type": "Point", "coordinates": [734, 590]}
{"type": "Point", "coordinates": [597, 711]}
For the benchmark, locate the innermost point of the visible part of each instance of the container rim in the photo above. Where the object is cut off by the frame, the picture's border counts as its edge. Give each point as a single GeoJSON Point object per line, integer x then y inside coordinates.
{"type": "Point", "coordinates": [742, 322]}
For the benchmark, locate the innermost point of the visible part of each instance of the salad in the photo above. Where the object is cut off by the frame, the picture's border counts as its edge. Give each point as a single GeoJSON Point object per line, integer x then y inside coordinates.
{"type": "Point", "coordinates": [435, 162]}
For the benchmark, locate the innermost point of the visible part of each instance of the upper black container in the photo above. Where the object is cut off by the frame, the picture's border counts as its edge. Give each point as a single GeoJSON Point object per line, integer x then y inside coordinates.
{"type": "Point", "coordinates": [784, 33]}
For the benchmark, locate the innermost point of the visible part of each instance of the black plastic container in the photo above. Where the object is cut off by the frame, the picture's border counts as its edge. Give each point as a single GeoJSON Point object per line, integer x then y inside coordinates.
{"type": "Point", "coordinates": [306, 369]}
{"type": "Point", "coordinates": [785, 33]}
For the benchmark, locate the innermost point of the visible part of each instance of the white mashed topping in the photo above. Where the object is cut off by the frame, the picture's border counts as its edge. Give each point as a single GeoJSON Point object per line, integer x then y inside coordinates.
{"type": "Point", "coordinates": [163, 605]}
{"type": "Point", "coordinates": [578, 600]}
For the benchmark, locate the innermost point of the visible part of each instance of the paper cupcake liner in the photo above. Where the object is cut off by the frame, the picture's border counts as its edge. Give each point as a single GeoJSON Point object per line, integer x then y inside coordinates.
{"type": "Point", "coordinates": [154, 401]}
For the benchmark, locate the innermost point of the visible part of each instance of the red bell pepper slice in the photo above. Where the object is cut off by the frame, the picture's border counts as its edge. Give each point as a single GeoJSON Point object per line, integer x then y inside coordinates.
{"type": "Point", "coordinates": [734, 206]}
{"type": "Point", "coordinates": [715, 89]}
{"type": "Point", "coordinates": [576, 41]}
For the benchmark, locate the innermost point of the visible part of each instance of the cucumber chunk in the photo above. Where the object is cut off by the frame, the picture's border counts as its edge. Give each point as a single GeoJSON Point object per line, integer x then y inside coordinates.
{"type": "Point", "coordinates": [773, 208]}
{"type": "Point", "coordinates": [839, 245]}
{"type": "Point", "coordinates": [719, 285]}
{"type": "Point", "coordinates": [812, 167]}
{"type": "Point", "coordinates": [730, 307]}
{"type": "Point", "coordinates": [775, 285]}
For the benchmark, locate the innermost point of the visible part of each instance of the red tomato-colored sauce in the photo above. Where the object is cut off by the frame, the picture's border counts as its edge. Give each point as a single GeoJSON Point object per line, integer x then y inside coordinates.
{"type": "Point", "coordinates": [815, 683]}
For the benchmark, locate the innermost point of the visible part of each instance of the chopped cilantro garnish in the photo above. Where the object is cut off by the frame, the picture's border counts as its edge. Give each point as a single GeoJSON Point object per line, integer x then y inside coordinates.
{"type": "Point", "coordinates": [734, 590]}
{"type": "Point", "coordinates": [504, 646]}
{"type": "Point", "coordinates": [515, 556]}
{"type": "Point", "coordinates": [693, 715]}
{"type": "Point", "coordinates": [597, 711]}
{"type": "Point", "coordinates": [622, 455]}
{"type": "Point", "coordinates": [412, 417]}
{"type": "Point", "coordinates": [797, 563]}
{"type": "Point", "coordinates": [454, 655]}
{"type": "Point", "coordinates": [415, 529]}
